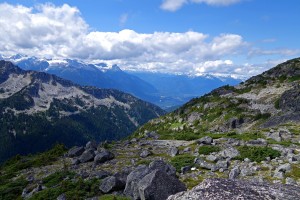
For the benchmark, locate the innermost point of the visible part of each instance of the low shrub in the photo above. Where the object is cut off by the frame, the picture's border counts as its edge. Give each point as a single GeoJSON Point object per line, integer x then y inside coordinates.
{"type": "Point", "coordinates": [206, 150]}
{"type": "Point", "coordinates": [257, 154]}
{"type": "Point", "coordinates": [182, 160]}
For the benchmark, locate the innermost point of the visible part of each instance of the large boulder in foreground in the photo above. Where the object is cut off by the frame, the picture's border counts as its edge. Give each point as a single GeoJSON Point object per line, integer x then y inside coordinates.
{"type": "Point", "coordinates": [154, 182]}
{"type": "Point", "coordinates": [215, 189]}
{"type": "Point", "coordinates": [158, 185]}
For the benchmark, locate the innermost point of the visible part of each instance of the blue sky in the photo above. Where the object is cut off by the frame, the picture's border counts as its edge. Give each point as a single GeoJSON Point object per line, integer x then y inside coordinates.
{"type": "Point", "coordinates": [225, 37]}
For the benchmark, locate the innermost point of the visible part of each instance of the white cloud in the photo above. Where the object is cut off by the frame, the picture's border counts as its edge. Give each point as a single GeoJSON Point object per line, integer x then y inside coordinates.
{"type": "Point", "coordinates": [173, 5]}
{"type": "Point", "coordinates": [60, 32]}
{"type": "Point", "coordinates": [123, 19]}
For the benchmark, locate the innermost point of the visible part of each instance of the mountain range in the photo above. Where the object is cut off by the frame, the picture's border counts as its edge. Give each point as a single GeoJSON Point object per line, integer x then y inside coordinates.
{"type": "Point", "coordinates": [38, 109]}
{"type": "Point", "coordinates": [164, 90]}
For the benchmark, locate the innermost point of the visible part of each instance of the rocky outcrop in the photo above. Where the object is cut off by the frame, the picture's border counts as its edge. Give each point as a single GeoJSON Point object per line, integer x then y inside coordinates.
{"type": "Point", "coordinates": [215, 189]}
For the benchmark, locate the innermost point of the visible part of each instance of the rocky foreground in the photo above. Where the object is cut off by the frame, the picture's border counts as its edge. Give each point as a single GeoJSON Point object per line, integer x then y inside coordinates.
{"type": "Point", "coordinates": [149, 168]}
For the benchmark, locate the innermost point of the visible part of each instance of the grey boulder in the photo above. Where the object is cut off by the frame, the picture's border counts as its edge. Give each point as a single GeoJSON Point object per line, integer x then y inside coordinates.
{"type": "Point", "coordinates": [205, 140]}
{"type": "Point", "coordinates": [75, 151]}
{"type": "Point", "coordinates": [111, 184]}
{"type": "Point", "coordinates": [158, 185]}
{"type": "Point", "coordinates": [87, 156]}
{"type": "Point", "coordinates": [103, 156]}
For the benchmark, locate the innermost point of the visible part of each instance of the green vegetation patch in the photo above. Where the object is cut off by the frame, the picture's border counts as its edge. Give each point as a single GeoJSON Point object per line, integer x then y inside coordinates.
{"type": "Point", "coordinates": [55, 178]}
{"type": "Point", "coordinates": [113, 197]}
{"type": "Point", "coordinates": [182, 160]}
{"type": "Point", "coordinates": [72, 188]}
{"type": "Point", "coordinates": [294, 173]}
{"type": "Point", "coordinates": [257, 154]}
{"type": "Point", "coordinates": [12, 189]}
{"type": "Point", "coordinates": [206, 150]}
{"type": "Point", "coordinates": [18, 163]}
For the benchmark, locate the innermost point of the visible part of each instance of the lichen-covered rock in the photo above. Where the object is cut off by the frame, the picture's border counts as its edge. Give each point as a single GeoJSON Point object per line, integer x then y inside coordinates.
{"type": "Point", "coordinates": [226, 189]}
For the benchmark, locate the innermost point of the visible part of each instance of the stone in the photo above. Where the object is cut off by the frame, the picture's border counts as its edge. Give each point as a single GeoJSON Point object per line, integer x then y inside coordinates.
{"type": "Point", "coordinates": [229, 152]}
{"type": "Point", "coordinates": [278, 174]}
{"type": "Point", "coordinates": [75, 151]}
{"type": "Point", "coordinates": [284, 168]}
{"type": "Point", "coordinates": [187, 149]}
{"type": "Point", "coordinates": [133, 179]}
{"type": "Point", "coordinates": [152, 134]}
{"type": "Point", "coordinates": [258, 142]}
{"type": "Point", "coordinates": [75, 161]}
{"type": "Point", "coordinates": [103, 157]}
{"type": "Point", "coordinates": [111, 184]}
{"type": "Point", "coordinates": [212, 158]}
{"type": "Point", "coordinates": [216, 189]}
{"type": "Point", "coordinates": [275, 136]}
{"type": "Point", "coordinates": [290, 181]}
{"type": "Point", "coordinates": [205, 165]}
{"type": "Point", "coordinates": [131, 188]}
{"type": "Point", "coordinates": [247, 171]}
{"type": "Point", "coordinates": [87, 156]}
{"type": "Point", "coordinates": [161, 165]}
{"type": "Point", "coordinates": [173, 151]}
{"type": "Point", "coordinates": [234, 173]}
{"type": "Point", "coordinates": [222, 164]}
{"type": "Point", "coordinates": [91, 145]}
{"type": "Point", "coordinates": [205, 140]}
{"type": "Point", "coordinates": [194, 116]}
{"type": "Point", "coordinates": [145, 153]}
{"type": "Point", "coordinates": [102, 174]}
{"type": "Point", "coordinates": [158, 185]}
{"type": "Point", "coordinates": [185, 169]}
{"type": "Point", "coordinates": [61, 197]}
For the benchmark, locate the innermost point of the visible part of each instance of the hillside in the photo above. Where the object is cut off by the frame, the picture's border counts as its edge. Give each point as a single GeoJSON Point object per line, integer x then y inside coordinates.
{"type": "Point", "coordinates": [38, 110]}
{"type": "Point", "coordinates": [263, 102]}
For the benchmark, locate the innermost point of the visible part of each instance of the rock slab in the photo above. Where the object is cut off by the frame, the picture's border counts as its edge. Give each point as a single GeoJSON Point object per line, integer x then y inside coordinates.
{"type": "Point", "coordinates": [225, 189]}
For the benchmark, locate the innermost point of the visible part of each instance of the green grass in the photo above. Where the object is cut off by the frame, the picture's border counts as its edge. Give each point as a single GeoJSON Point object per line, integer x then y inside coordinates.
{"type": "Point", "coordinates": [294, 173]}
{"type": "Point", "coordinates": [57, 177]}
{"type": "Point", "coordinates": [73, 189]}
{"type": "Point", "coordinates": [257, 154]}
{"type": "Point", "coordinates": [206, 150]}
{"type": "Point", "coordinates": [182, 160]}
{"type": "Point", "coordinates": [12, 189]}
{"type": "Point", "coordinates": [113, 197]}
{"type": "Point", "coordinates": [18, 163]}
{"type": "Point", "coordinates": [263, 116]}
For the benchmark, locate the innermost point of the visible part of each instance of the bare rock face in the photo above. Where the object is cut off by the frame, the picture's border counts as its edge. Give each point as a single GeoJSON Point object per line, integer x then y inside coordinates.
{"type": "Point", "coordinates": [215, 189]}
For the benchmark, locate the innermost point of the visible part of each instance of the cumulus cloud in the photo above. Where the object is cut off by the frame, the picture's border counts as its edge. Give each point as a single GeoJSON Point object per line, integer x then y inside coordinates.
{"type": "Point", "coordinates": [60, 32]}
{"type": "Point", "coordinates": [173, 5]}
